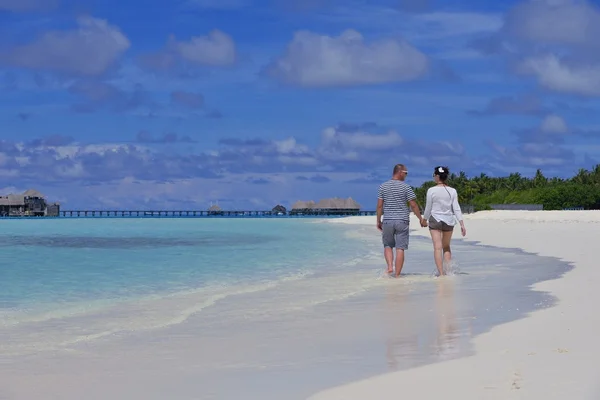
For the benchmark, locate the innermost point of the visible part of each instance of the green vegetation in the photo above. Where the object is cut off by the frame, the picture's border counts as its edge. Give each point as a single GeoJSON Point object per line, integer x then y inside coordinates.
{"type": "Point", "coordinates": [582, 190]}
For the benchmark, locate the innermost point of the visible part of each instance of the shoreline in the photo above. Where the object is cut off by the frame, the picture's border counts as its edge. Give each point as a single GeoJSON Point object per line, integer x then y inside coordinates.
{"type": "Point", "coordinates": [549, 354]}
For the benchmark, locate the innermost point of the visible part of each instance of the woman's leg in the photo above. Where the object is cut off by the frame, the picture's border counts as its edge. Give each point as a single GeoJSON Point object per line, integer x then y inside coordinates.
{"type": "Point", "coordinates": [446, 238]}
{"type": "Point", "coordinates": [436, 238]}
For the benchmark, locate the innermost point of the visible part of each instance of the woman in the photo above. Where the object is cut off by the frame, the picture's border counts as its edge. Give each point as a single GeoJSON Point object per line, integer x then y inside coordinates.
{"type": "Point", "coordinates": [441, 213]}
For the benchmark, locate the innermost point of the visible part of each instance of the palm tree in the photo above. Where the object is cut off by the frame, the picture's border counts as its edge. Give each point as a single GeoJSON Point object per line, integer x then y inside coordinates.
{"type": "Point", "coordinates": [582, 177]}
{"type": "Point", "coordinates": [515, 181]}
{"type": "Point", "coordinates": [539, 180]}
{"type": "Point", "coordinates": [595, 175]}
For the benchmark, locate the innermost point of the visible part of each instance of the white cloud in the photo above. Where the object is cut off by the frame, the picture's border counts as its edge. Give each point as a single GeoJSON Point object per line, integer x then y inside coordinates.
{"type": "Point", "coordinates": [568, 22]}
{"type": "Point", "coordinates": [531, 155]}
{"type": "Point", "coordinates": [319, 61]}
{"type": "Point", "coordinates": [89, 50]}
{"type": "Point", "coordinates": [290, 146]}
{"type": "Point", "coordinates": [554, 124]}
{"type": "Point", "coordinates": [216, 49]}
{"type": "Point", "coordinates": [554, 41]}
{"type": "Point", "coordinates": [428, 26]}
{"type": "Point", "coordinates": [556, 75]}
{"type": "Point", "coordinates": [333, 138]}
{"type": "Point", "coordinates": [74, 149]}
{"type": "Point", "coordinates": [340, 146]}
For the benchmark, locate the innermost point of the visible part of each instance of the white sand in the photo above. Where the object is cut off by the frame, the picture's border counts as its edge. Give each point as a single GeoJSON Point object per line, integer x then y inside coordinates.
{"type": "Point", "coordinates": [552, 354]}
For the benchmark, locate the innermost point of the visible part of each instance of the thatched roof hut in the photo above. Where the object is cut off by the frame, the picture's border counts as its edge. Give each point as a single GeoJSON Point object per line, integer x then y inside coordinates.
{"type": "Point", "coordinates": [32, 193]}
{"type": "Point", "coordinates": [327, 204]}
{"type": "Point", "coordinates": [214, 207]}
{"type": "Point", "coordinates": [279, 209]}
{"type": "Point", "coordinates": [15, 200]}
{"type": "Point", "coordinates": [303, 205]}
{"type": "Point", "coordinates": [338, 204]}
{"type": "Point", "coordinates": [19, 199]}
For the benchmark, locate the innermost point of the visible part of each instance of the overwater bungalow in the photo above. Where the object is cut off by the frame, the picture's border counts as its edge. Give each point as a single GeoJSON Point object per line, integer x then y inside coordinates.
{"type": "Point", "coordinates": [30, 203]}
{"type": "Point", "coordinates": [279, 210]}
{"type": "Point", "coordinates": [215, 210]}
{"type": "Point", "coordinates": [333, 206]}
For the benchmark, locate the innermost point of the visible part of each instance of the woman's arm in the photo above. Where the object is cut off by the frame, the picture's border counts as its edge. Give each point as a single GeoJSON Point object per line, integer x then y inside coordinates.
{"type": "Point", "coordinates": [456, 208]}
{"type": "Point", "coordinates": [458, 214]}
{"type": "Point", "coordinates": [428, 203]}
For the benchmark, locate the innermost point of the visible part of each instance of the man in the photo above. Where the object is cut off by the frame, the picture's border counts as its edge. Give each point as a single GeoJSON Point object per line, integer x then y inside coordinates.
{"type": "Point", "coordinates": [393, 199]}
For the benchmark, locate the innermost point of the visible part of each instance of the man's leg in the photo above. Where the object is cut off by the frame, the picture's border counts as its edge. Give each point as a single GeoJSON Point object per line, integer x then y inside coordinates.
{"type": "Point", "coordinates": [389, 242]}
{"type": "Point", "coordinates": [389, 259]}
{"type": "Point", "coordinates": [399, 261]}
{"type": "Point", "coordinates": [401, 239]}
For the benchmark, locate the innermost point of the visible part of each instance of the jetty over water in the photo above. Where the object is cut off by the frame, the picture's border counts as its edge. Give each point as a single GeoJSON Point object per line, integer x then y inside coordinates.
{"type": "Point", "coordinates": [202, 213]}
{"type": "Point", "coordinates": [324, 208]}
{"type": "Point", "coordinates": [33, 204]}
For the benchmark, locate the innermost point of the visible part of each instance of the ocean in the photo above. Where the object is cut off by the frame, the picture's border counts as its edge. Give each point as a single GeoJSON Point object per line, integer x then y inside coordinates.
{"type": "Point", "coordinates": [237, 308]}
{"type": "Point", "coordinates": [51, 269]}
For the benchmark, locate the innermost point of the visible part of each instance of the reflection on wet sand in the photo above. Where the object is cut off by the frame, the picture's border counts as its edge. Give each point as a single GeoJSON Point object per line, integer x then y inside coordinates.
{"type": "Point", "coordinates": [446, 340]}
{"type": "Point", "coordinates": [422, 328]}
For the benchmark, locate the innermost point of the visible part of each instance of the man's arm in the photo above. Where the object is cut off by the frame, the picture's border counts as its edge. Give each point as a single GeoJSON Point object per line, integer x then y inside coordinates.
{"type": "Point", "coordinates": [379, 212]}
{"type": "Point", "coordinates": [412, 200]}
{"type": "Point", "coordinates": [415, 208]}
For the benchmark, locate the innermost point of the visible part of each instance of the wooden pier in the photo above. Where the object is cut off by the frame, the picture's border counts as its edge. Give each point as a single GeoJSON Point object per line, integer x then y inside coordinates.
{"type": "Point", "coordinates": [200, 214]}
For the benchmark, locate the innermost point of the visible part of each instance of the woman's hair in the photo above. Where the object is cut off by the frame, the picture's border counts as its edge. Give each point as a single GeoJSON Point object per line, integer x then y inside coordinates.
{"type": "Point", "coordinates": [442, 172]}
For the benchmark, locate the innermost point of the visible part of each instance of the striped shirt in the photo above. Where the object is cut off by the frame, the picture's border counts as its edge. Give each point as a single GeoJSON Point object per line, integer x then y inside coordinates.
{"type": "Point", "coordinates": [396, 195]}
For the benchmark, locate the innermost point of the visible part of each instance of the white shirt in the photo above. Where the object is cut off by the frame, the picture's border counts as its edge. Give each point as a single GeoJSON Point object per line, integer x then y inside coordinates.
{"type": "Point", "coordinates": [442, 204]}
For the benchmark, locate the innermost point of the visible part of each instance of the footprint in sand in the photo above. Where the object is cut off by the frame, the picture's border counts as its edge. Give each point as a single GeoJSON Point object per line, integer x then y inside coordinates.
{"type": "Point", "coordinates": [562, 350]}
{"type": "Point", "coordinates": [516, 382]}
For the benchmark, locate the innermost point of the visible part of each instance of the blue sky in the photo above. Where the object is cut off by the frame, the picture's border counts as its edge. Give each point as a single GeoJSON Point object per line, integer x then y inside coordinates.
{"type": "Point", "coordinates": [251, 103]}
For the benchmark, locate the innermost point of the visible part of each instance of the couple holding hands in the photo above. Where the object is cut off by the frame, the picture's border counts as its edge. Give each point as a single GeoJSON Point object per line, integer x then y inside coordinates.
{"type": "Point", "coordinates": [441, 213]}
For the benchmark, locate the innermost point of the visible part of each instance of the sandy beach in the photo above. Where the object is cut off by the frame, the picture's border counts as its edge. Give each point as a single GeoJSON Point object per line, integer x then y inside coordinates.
{"type": "Point", "coordinates": [551, 354]}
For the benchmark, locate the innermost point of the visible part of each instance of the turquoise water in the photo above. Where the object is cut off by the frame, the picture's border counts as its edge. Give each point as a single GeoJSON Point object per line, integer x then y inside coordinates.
{"type": "Point", "coordinates": [282, 307]}
{"type": "Point", "coordinates": [46, 264]}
